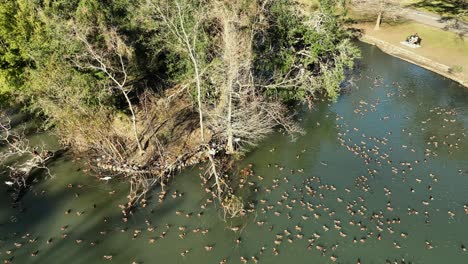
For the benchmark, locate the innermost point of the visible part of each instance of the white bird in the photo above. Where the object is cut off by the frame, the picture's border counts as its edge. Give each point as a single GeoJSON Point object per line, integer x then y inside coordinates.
{"type": "Point", "coordinates": [9, 183]}
{"type": "Point", "coordinates": [105, 178]}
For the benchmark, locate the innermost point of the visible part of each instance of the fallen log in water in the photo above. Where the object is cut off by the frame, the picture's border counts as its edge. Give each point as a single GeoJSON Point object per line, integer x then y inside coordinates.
{"type": "Point", "coordinates": [143, 179]}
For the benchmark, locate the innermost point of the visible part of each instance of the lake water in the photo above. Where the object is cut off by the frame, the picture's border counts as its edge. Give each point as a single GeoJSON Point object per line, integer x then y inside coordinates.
{"type": "Point", "coordinates": [386, 165]}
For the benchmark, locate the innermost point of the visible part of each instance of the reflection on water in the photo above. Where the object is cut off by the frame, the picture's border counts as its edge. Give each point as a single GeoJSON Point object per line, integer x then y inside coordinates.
{"type": "Point", "coordinates": [380, 175]}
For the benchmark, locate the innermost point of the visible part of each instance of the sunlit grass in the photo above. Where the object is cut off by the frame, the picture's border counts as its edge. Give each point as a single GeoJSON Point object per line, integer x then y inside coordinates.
{"type": "Point", "coordinates": [442, 46]}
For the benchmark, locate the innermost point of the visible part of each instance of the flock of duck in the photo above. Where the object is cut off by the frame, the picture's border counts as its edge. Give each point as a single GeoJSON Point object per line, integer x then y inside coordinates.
{"type": "Point", "coordinates": [311, 208]}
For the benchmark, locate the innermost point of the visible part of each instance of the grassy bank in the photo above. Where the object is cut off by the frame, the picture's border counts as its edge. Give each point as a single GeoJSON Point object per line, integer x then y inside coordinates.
{"type": "Point", "coordinates": [442, 46]}
{"type": "Point", "coordinates": [441, 52]}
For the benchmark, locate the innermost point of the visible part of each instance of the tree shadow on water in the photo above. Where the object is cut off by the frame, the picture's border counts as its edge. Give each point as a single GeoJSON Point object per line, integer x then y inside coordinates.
{"type": "Point", "coordinates": [27, 219]}
{"type": "Point", "coordinates": [114, 242]}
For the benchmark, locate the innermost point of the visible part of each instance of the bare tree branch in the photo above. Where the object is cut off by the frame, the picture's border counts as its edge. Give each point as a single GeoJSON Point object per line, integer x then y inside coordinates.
{"type": "Point", "coordinates": [116, 48]}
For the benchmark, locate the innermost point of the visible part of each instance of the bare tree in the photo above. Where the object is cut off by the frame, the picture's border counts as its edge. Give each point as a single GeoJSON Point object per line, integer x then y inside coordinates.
{"type": "Point", "coordinates": [236, 60]}
{"type": "Point", "coordinates": [183, 22]}
{"type": "Point", "coordinates": [381, 8]}
{"type": "Point", "coordinates": [104, 61]}
{"type": "Point", "coordinates": [185, 28]}
{"type": "Point", "coordinates": [240, 115]}
{"type": "Point", "coordinates": [237, 112]}
{"type": "Point", "coordinates": [253, 119]}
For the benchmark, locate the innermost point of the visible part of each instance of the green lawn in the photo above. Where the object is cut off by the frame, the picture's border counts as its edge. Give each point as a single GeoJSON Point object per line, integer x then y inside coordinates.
{"type": "Point", "coordinates": [442, 46]}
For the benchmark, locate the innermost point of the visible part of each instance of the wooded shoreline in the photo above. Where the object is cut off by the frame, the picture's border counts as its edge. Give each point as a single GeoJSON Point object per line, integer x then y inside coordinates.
{"type": "Point", "coordinates": [143, 89]}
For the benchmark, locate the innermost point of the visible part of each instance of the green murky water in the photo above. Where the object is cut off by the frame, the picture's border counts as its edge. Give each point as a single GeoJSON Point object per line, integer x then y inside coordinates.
{"type": "Point", "coordinates": [400, 128]}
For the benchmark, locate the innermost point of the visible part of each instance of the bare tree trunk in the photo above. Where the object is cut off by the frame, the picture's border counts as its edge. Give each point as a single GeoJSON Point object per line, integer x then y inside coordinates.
{"type": "Point", "coordinates": [214, 172]}
{"type": "Point", "coordinates": [391, 9]}
{"type": "Point", "coordinates": [379, 20]}
{"type": "Point", "coordinates": [191, 51]}
{"type": "Point", "coordinates": [177, 26]}
{"type": "Point", "coordinates": [230, 143]}
{"type": "Point", "coordinates": [237, 51]}
{"type": "Point", "coordinates": [135, 131]}
{"type": "Point", "coordinates": [230, 58]}
{"type": "Point", "coordinates": [106, 67]}
{"type": "Point", "coordinates": [199, 101]}
{"type": "Point", "coordinates": [232, 70]}
{"type": "Point", "coordinates": [121, 86]}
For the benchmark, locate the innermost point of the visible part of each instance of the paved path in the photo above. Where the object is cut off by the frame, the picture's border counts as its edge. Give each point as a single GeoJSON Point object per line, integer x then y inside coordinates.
{"type": "Point", "coordinates": [435, 20]}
